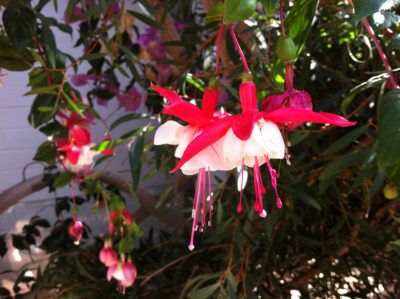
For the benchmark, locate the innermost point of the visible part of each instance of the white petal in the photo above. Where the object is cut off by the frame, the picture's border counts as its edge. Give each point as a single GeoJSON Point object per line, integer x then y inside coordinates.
{"type": "Point", "coordinates": [232, 148]}
{"type": "Point", "coordinates": [273, 140]}
{"type": "Point", "coordinates": [242, 178]}
{"type": "Point", "coordinates": [167, 133]}
{"type": "Point", "coordinates": [185, 135]}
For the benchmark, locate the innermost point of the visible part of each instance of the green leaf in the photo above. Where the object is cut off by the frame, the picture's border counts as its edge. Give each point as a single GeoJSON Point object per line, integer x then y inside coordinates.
{"type": "Point", "coordinates": [216, 14]}
{"type": "Point", "coordinates": [46, 153]}
{"type": "Point", "coordinates": [12, 60]}
{"type": "Point", "coordinates": [48, 42]}
{"type": "Point", "coordinates": [39, 116]}
{"type": "Point", "coordinates": [62, 179]}
{"type": "Point", "coordinates": [147, 20]}
{"type": "Point", "coordinates": [125, 118]}
{"type": "Point", "coordinates": [270, 6]}
{"type": "Point", "coordinates": [299, 20]}
{"type": "Point", "coordinates": [135, 161]}
{"type": "Point", "coordinates": [126, 245]}
{"type": "Point", "coordinates": [116, 203]}
{"type": "Point", "coordinates": [338, 165]}
{"type": "Point", "coordinates": [394, 43]}
{"type": "Point", "coordinates": [366, 8]}
{"type": "Point", "coordinates": [20, 24]}
{"type": "Point", "coordinates": [389, 129]}
{"type": "Point", "coordinates": [345, 141]}
{"type": "Point", "coordinates": [205, 292]}
{"type": "Point", "coordinates": [50, 90]}
{"type": "Point", "coordinates": [238, 10]}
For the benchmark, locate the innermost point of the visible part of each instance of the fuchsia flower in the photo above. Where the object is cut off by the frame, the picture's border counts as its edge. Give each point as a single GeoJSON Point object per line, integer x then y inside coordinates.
{"type": "Point", "coordinates": [130, 100]}
{"type": "Point", "coordinates": [251, 138]}
{"type": "Point", "coordinates": [80, 80]}
{"type": "Point", "coordinates": [78, 142]}
{"type": "Point", "coordinates": [109, 151]}
{"type": "Point", "coordinates": [207, 160]}
{"type": "Point", "coordinates": [75, 230]}
{"type": "Point", "coordinates": [291, 98]}
{"type": "Point", "coordinates": [123, 215]}
{"type": "Point", "coordinates": [108, 256]}
{"type": "Point", "coordinates": [125, 273]}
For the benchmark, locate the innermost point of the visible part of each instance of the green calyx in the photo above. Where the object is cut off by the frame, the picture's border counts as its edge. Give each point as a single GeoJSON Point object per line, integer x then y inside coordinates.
{"type": "Point", "coordinates": [247, 77]}
{"type": "Point", "coordinates": [213, 83]}
{"type": "Point", "coordinates": [286, 49]}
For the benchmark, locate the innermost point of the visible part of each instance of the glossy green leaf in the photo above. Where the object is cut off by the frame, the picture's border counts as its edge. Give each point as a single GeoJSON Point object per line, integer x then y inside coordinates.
{"type": "Point", "coordinates": [49, 45]}
{"type": "Point", "coordinates": [238, 10]}
{"type": "Point", "coordinates": [299, 20]}
{"type": "Point", "coordinates": [366, 8]}
{"type": "Point", "coordinates": [12, 60]}
{"type": "Point", "coordinates": [126, 118]}
{"type": "Point", "coordinates": [20, 24]}
{"type": "Point", "coordinates": [204, 292]}
{"type": "Point", "coordinates": [345, 141]}
{"type": "Point", "coordinates": [389, 129]}
{"type": "Point", "coordinates": [270, 6]}
{"type": "Point", "coordinates": [38, 116]}
{"type": "Point", "coordinates": [126, 245]}
{"type": "Point", "coordinates": [46, 153]}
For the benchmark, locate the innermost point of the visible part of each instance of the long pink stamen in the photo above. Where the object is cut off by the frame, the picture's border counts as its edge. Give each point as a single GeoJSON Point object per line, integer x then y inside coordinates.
{"type": "Point", "coordinates": [259, 190]}
{"type": "Point", "coordinates": [204, 196]}
{"type": "Point", "coordinates": [274, 176]}
{"type": "Point", "coordinates": [210, 197]}
{"type": "Point", "coordinates": [195, 211]}
{"type": "Point", "coordinates": [219, 40]}
{"type": "Point", "coordinates": [239, 207]}
{"type": "Point", "coordinates": [238, 48]}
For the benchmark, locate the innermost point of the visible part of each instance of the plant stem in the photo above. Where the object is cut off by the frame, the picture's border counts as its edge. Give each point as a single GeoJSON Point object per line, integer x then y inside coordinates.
{"type": "Point", "coordinates": [281, 18]}
{"type": "Point", "coordinates": [219, 40]}
{"type": "Point", "coordinates": [239, 49]}
{"type": "Point", "coordinates": [392, 79]}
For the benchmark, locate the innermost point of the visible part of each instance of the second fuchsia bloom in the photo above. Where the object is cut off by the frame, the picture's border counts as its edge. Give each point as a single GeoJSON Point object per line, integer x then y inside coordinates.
{"type": "Point", "coordinates": [75, 230]}
{"type": "Point", "coordinates": [108, 256]}
{"type": "Point", "coordinates": [123, 215]}
{"type": "Point", "coordinates": [124, 272]}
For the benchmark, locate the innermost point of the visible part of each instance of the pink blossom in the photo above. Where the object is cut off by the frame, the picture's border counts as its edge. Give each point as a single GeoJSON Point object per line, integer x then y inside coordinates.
{"type": "Point", "coordinates": [125, 273]}
{"type": "Point", "coordinates": [130, 100]}
{"type": "Point", "coordinates": [75, 230]}
{"type": "Point", "coordinates": [108, 256]}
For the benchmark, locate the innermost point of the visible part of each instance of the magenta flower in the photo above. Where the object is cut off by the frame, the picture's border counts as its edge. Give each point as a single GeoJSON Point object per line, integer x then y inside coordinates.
{"type": "Point", "coordinates": [108, 256]}
{"type": "Point", "coordinates": [125, 215]}
{"type": "Point", "coordinates": [130, 100]}
{"type": "Point", "coordinates": [149, 36]}
{"type": "Point", "coordinates": [75, 230]}
{"type": "Point", "coordinates": [291, 98]}
{"type": "Point", "coordinates": [80, 80]}
{"type": "Point", "coordinates": [125, 273]}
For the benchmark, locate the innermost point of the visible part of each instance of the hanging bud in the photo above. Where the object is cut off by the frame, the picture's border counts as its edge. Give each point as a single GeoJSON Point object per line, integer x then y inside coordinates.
{"type": "Point", "coordinates": [286, 49]}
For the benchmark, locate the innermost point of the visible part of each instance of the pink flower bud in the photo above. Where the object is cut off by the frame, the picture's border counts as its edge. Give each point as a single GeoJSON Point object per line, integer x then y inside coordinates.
{"type": "Point", "coordinates": [75, 230]}
{"type": "Point", "coordinates": [108, 256]}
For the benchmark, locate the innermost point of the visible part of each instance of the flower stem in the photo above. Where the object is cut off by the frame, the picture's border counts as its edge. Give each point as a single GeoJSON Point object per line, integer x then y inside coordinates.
{"type": "Point", "coordinates": [282, 18]}
{"type": "Point", "coordinates": [238, 48]}
{"type": "Point", "coordinates": [382, 54]}
{"type": "Point", "coordinates": [219, 40]}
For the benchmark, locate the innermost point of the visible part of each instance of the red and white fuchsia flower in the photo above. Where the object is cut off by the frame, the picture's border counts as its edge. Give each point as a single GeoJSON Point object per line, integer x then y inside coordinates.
{"type": "Point", "coordinates": [250, 139]}
{"type": "Point", "coordinates": [108, 256]}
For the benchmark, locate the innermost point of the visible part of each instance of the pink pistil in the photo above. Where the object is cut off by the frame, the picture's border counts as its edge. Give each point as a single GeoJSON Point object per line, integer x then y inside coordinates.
{"type": "Point", "coordinates": [200, 198]}
{"type": "Point", "coordinates": [274, 176]}
{"type": "Point", "coordinates": [239, 207]}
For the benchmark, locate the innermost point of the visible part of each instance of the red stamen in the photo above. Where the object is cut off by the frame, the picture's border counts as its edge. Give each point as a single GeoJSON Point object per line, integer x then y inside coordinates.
{"type": "Point", "coordinates": [274, 176]}
{"type": "Point", "coordinates": [210, 198]}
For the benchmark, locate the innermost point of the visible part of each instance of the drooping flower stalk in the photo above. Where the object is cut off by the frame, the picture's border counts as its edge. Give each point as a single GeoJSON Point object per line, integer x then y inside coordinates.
{"type": "Point", "coordinates": [238, 48]}
{"type": "Point", "coordinates": [392, 79]}
{"type": "Point", "coordinates": [218, 50]}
